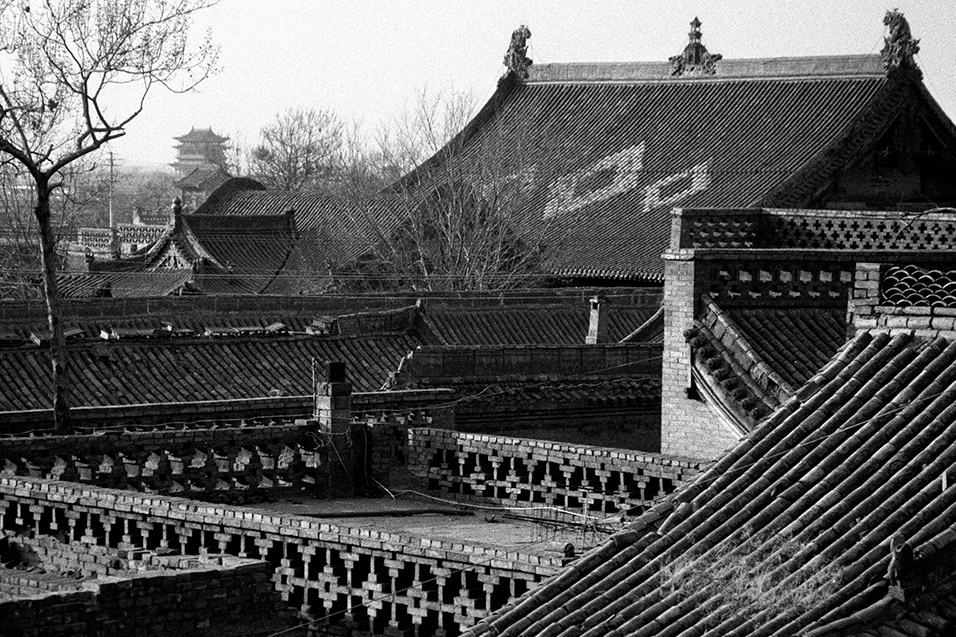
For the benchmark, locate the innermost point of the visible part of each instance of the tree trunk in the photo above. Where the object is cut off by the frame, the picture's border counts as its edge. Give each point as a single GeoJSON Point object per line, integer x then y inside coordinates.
{"type": "Point", "coordinates": [58, 353]}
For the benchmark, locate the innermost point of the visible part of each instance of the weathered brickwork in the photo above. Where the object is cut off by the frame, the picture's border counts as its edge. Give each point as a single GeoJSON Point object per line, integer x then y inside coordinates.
{"type": "Point", "coordinates": [408, 585]}
{"type": "Point", "coordinates": [233, 593]}
{"type": "Point", "coordinates": [589, 482]}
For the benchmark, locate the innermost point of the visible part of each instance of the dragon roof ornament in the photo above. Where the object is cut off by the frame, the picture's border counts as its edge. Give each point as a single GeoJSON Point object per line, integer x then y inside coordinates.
{"type": "Point", "coordinates": [899, 45]}
{"type": "Point", "coordinates": [516, 59]}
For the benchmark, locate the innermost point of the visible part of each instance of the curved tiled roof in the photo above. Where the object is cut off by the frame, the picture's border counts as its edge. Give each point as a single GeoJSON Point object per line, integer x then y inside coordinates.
{"type": "Point", "coordinates": [801, 511]}
{"type": "Point", "coordinates": [608, 150]}
{"type": "Point", "coordinates": [751, 360]}
{"type": "Point", "coordinates": [213, 254]}
{"type": "Point", "coordinates": [195, 369]}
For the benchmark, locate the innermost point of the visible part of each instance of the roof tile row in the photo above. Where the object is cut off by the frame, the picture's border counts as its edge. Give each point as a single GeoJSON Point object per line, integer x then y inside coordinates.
{"type": "Point", "coordinates": [856, 458]}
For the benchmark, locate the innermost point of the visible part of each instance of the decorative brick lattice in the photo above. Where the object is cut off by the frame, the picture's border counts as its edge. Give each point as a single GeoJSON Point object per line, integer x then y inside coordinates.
{"type": "Point", "coordinates": [746, 283]}
{"type": "Point", "coordinates": [915, 286]}
{"type": "Point", "coordinates": [831, 231]}
{"type": "Point", "coordinates": [581, 480]}
{"type": "Point", "coordinates": [227, 461]}
{"type": "Point", "coordinates": [409, 585]}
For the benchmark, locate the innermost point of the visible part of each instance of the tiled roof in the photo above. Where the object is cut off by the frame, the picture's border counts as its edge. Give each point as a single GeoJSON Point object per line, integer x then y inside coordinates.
{"type": "Point", "coordinates": [204, 178]}
{"type": "Point", "coordinates": [587, 391]}
{"type": "Point", "coordinates": [205, 254]}
{"type": "Point", "coordinates": [166, 370]}
{"type": "Point", "coordinates": [250, 254]}
{"type": "Point", "coordinates": [545, 325]}
{"type": "Point", "coordinates": [751, 360]}
{"type": "Point", "coordinates": [789, 533]}
{"type": "Point", "coordinates": [613, 148]}
{"type": "Point", "coordinates": [335, 229]}
{"type": "Point", "coordinates": [123, 284]}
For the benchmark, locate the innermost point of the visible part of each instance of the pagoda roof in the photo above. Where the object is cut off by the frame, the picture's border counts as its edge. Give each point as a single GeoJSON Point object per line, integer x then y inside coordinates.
{"type": "Point", "coordinates": [202, 135]}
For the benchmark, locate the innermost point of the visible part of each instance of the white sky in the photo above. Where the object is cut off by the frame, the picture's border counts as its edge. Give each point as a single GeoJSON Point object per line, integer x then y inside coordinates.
{"type": "Point", "coordinates": [367, 59]}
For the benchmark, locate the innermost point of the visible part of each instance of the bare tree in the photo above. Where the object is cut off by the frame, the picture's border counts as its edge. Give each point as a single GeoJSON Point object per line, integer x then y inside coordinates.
{"type": "Point", "coordinates": [300, 150]}
{"type": "Point", "coordinates": [68, 69]}
{"type": "Point", "coordinates": [460, 219]}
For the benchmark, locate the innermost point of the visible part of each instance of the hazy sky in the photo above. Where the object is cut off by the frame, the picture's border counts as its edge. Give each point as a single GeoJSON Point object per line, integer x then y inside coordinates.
{"type": "Point", "coordinates": [367, 59]}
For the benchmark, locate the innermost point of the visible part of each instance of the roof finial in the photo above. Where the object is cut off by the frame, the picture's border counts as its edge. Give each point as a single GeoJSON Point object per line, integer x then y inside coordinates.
{"type": "Point", "coordinates": [899, 45]}
{"type": "Point", "coordinates": [695, 59]}
{"type": "Point", "coordinates": [516, 58]}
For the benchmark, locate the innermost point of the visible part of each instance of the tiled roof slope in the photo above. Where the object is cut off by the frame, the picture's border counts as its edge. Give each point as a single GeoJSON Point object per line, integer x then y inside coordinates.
{"type": "Point", "coordinates": [613, 148]}
{"type": "Point", "coordinates": [792, 527]}
{"type": "Point", "coordinates": [122, 284]}
{"type": "Point", "coordinates": [518, 325]}
{"type": "Point", "coordinates": [204, 178]}
{"type": "Point", "coordinates": [195, 369]}
{"type": "Point", "coordinates": [751, 360]}
{"type": "Point", "coordinates": [335, 228]}
{"type": "Point", "coordinates": [251, 254]}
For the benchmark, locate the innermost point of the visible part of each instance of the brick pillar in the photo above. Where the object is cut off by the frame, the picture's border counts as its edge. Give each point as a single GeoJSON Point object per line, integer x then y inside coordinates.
{"type": "Point", "coordinates": [689, 427]}
{"type": "Point", "coordinates": [333, 411]}
{"type": "Point", "coordinates": [333, 401]}
{"type": "Point", "coordinates": [865, 296]}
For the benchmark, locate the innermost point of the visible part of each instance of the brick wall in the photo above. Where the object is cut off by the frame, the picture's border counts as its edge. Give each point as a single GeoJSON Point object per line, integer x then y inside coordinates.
{"type": "Point", "coordinates": [592, 482]}
{"type": "Point", "coordinates": [234, 593]}
{"type": "Point", "coordinates": [411, 585]}
{"type": "Point", "coordinates": [688, 426]}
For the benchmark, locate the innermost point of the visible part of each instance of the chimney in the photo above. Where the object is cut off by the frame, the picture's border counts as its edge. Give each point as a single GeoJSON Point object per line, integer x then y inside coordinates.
{"type": "Point", "coordinates": [597, 329]}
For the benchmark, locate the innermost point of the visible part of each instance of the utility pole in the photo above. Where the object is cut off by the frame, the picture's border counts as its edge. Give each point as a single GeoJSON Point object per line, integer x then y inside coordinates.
{"type": "Point", "coordinates": [114, 247]}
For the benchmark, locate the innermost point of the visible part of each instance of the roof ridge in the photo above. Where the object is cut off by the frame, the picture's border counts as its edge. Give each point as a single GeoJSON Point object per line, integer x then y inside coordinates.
{"type": "Point", "coordinates": [865, 64]}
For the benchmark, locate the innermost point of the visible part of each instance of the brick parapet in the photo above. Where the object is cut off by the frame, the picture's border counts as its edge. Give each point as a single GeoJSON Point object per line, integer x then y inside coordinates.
{"type": "Point", "coordinates": [314, 564]}
{"type": "Point", "coordinates": [555, 480]}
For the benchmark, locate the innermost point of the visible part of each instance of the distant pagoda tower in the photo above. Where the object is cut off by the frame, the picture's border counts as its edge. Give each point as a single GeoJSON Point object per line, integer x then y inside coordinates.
{"type": "Point", "coordinates": [199, 148]}
{"type": "Point", "coordinates": [200, 165]}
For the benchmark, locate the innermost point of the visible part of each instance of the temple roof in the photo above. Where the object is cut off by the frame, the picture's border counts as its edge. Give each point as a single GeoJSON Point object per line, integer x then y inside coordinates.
{"type": "Point", "coordinates": [606, 150]}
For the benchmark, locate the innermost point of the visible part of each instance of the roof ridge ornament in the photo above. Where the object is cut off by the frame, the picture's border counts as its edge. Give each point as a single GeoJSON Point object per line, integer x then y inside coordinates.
{"type": "Point", "coordinates": [516, 59]}
{"type": "Point", "coordinates": [899, 45]}
{"type": "Point", "coordinates": [695, 59]}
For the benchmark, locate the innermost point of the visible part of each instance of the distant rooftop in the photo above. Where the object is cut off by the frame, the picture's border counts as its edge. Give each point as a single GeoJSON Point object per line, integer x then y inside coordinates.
{"type": "Point", "coordinates": [202, 135]}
